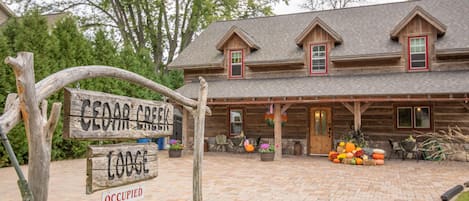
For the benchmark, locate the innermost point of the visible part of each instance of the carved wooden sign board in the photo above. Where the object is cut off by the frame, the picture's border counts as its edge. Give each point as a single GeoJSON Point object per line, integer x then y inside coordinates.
{"type": "Point", "coordinates": [120, 164]}
{"type": "Point", "coordinates": [91, 115]}
{"type": "Point", "coordinates": [96, 115]}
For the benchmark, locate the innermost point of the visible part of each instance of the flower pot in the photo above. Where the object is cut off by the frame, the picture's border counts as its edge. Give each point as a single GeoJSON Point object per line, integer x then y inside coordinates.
{"type": "Point", "coordinates": [175, 153]}
{"type": "Point", "coordinates": [267, 156]}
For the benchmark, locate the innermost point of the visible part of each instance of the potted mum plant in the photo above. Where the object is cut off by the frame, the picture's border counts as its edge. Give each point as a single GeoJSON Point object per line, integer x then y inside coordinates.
{"type": "Point", "coordinates": [267, 152]}
{"type": "Point", "coordinates": [175, 148]}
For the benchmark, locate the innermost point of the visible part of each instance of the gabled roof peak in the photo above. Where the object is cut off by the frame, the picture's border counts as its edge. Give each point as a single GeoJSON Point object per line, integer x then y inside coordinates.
{"type": "Point", "coordinates": [317, 22]}
{"type": "Point", "coordinates": [240, 33]}
{"type": "Point", "coordinates": [419, 11]}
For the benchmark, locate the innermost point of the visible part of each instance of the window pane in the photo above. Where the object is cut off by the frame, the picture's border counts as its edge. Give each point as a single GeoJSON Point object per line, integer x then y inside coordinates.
{"type": "Point", "coordinates": [418, 64]}
{"type": "Point", "coordinates": [422, 117]}
{"type": "Point", "coordinates": [236, 70]}
{"type": "Point", "coordinates": [324, 122]}
{"type": "Point", "coordinates": [404, 117]}
{"type": "Point", "coordinates": [236, 121]}
{"type": "Point", "coordinates": [317, 122]}
{"type": "Point", "coordinates": [420, 57]}
{"type": "Point", "coordinates": [235, 57]}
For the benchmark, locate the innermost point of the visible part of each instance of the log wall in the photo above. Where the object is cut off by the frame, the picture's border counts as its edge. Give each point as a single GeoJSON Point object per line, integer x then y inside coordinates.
{"type": "Point", "coordinates": [378, 122]}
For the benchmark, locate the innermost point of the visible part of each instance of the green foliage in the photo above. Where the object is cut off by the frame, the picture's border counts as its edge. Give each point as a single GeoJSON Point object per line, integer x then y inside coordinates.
{"type": "Point", "coordinates": [464, 196]}
{"type": "Point", "coordinates": [66, 46]}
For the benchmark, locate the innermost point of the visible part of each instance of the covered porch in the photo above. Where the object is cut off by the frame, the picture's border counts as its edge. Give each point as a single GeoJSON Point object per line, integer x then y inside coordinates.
{"type": "Point", "coordinates": [339, 104]}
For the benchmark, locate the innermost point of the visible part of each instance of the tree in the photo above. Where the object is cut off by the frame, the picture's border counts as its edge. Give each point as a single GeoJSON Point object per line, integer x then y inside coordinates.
{"type": "Point", "coordinates": [164, 27]}
{"type": "Point", "coordinates": [328, 4]}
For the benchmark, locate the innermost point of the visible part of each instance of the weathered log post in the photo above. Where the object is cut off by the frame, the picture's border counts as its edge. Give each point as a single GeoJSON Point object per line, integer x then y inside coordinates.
{"type": "Point", "coordinates": [278, 131]}
{"type": "Point", "coordinates": [39, 131]}
{"type": "Point", "coordinates": [199, 129]}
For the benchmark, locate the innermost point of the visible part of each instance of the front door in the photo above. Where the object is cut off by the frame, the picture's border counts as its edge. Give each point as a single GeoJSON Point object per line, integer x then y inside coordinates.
{"type": "Point", "coordinates": [320, 132]}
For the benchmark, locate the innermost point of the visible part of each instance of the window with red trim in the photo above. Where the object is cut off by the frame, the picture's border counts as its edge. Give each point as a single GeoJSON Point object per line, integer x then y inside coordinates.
{"type": "Point", "coordinates": [236, 64]}
{"type": "Point", "coordinates": [418, 53]}
{"type": "Point", "coordinates": [318, 59]}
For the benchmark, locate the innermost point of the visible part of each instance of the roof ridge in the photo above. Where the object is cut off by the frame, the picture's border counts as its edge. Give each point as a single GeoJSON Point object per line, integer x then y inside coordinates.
{"type": "Point", "coordinates": [319, 11]}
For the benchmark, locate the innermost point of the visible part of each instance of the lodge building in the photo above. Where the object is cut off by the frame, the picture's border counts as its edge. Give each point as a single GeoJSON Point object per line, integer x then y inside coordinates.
{"type": "Point", "coordinates": [386, 69]}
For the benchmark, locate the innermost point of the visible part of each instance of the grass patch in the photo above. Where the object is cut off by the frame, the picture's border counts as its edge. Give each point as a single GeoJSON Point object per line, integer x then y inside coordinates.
{"type": "Point", "coordinates": [463, 196]}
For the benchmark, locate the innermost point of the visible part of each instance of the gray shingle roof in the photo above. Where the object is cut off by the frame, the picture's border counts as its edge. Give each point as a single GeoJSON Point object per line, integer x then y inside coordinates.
{"type": "Point", "coordinates": [369, 85]}
{"type": "Point", "coordinates": [364, 30]}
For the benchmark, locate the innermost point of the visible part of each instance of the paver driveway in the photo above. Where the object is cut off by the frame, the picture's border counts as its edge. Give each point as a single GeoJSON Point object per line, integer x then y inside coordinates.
{"type": "Point", "coordinates": [229, 177]}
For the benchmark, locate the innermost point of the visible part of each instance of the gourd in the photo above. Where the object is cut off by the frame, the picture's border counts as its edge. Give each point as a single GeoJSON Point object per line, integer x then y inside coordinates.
{"type": "Point", "coordinates": [359, 161]}
{"type": "Point", "coordinates": [353, 162]}
{"type": "Point", "coordinates": [379, 162]}
{"type": "Point", "coordinates": [336, 160]}
{"type": "Point", "coordinates": [378, 151]}
{"type": "Point", "coordinates": [365, 157]}
{"type": "Point", "coordinates": [340, 149]}
{"type": "Point", "coordinates": [349, 155]}
{"type": "Point", "coordinates": [358, 153]}
{"type": "Point", "coordinates": [378, 156]}
{"type": "Point", "coordinates": [333, 156]}
{"type": "Point", "coordinates": [249, 148]}
{"type": "Point", "coordinates": [341, 156]}
{"type": "Point", "coordinates": [349, 147]}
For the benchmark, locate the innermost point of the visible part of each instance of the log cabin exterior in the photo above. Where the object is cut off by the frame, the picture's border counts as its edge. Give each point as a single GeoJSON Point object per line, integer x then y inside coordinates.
{"type": "Point", "coordinates": [388, 69]}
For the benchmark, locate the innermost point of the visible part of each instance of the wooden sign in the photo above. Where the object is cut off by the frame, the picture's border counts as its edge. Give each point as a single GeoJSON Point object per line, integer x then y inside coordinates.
{"type": "Point", "coordinates": [120, 164]}
{"type": "Point", "coordinates": [97, 115]}
{"type": "Point", "coordinates": [128, 193]}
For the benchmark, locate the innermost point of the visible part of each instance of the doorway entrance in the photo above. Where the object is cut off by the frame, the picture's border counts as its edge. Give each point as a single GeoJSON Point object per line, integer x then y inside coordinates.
{"type": "Point", "coordinates": [320, 132]}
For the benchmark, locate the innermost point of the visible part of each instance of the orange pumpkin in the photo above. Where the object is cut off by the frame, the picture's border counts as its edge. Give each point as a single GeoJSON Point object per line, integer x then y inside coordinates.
{"type": "Point", "coordinates": [379, 162]}
{"type": "Point", "coordinates": [378, 156]}
{"type": "Point", "coordinates": [249, 148]}
{"type": "Point", "coordinates": [332, 154]}
{"type": "Point", "coordinates": [349, 147]}
{"type": "Point", "coordinates": [336, 160]}
{"type": "Point", "coordinates": [359, 161]}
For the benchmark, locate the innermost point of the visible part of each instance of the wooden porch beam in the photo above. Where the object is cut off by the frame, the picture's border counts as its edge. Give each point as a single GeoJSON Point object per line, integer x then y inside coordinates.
{"type": "Point", "coordinates": [365, 107]}
{"type": "Point", "coordinates": [285, 108]}
{"type": "Point", "coordinates": [348, 106]}
{"type": "Point", "coordinates": [465, 105]}
{"type": "Point", "coordinates": [337, 100]}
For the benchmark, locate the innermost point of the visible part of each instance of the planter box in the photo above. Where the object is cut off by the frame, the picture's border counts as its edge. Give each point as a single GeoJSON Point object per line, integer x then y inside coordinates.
{"type": "Point", "coordinates": [267, 156]}
{"type": "Point", "coordinates": [175, 153]}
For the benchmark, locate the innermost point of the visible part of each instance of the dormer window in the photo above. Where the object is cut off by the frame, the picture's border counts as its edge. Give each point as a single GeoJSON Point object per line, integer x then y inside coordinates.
{"type": "Point", "coordinates": [418, 53]}
{"type": "Point", "coordinates": [236, 64]}
{"type": "Point", "coordinates": [318, 59]}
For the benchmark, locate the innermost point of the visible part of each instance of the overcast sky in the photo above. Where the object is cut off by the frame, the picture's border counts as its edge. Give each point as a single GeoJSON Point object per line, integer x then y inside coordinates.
{"type": "Point", "coordinates": [294, 6]}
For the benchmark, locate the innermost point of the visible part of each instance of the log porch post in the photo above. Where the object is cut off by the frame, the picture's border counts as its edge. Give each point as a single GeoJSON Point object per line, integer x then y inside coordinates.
{"type": "Point", "coordinates": [357, 116]}
{"type": "Point", "coordinates": [278, 131]}
{"type": "Point", "coordinates": [185, 126]}
{"type": "Point", "coordinates": [357, 110]}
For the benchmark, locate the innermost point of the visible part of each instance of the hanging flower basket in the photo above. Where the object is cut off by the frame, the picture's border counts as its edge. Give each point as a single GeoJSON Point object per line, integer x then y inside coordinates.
{"type": "Point", "coordinates": [269, 119]}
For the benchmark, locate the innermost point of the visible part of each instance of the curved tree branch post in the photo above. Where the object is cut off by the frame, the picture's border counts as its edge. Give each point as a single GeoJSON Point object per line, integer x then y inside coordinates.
{"type": "Point", "coordinates": [58, 80]}
{"type": "Point", "coordinates": [37, 125]}
{"type": "Point", "coordinates": [38, 129]}
{"type": "Point", "coordinates": [199, 129]}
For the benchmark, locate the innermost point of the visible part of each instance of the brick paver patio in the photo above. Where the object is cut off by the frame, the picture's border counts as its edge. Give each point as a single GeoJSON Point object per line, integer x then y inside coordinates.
{"type": "Point", "coordinates": [245, 177]}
